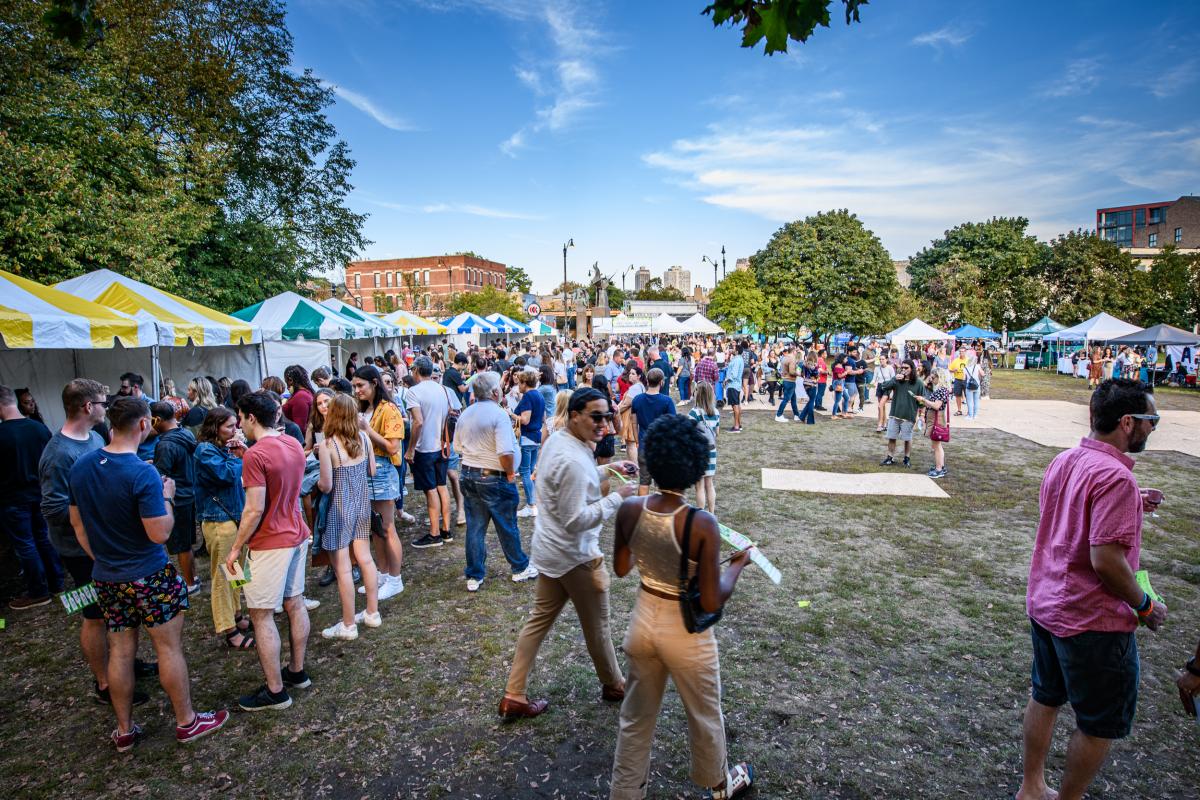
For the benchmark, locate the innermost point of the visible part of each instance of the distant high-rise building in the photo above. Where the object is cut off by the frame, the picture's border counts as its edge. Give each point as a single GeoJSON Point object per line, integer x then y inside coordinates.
{"type": "Point", "coordinates": [743, 264]}
{"type": "Point", "coordinates": [902, 276]}
{"type": "Point", "coordinates": [640, 279]}
{"type": "Point", "coordinates": [678, 278]}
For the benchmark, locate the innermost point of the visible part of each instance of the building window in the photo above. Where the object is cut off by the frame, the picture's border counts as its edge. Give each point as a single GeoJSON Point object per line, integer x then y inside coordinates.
{"type": "Point", "coordinates": [1154, 240]}
{"type": "Point", "coordinates": [357, 281]}
{"type": "Point", "coordinates": [1179, 234]}
{"type": "Point", "coordinates": [1141, 217]}
{"type": "Point", "coordinates": [387, 277]}
{"type": "Point", "coordinates": [1158, 216]}
{"type": "Point", "coordinates": [377, 283]}
{"type": "Point", "coordinates": [426, 302]}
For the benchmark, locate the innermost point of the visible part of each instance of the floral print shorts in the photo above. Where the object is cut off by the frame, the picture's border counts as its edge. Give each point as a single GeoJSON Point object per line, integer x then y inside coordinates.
{"type": "Point", "coordinates": [151, 601]}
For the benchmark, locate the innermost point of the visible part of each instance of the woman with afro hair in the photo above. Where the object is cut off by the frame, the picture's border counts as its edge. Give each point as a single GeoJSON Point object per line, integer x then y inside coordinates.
{"type": "Point", "coordinates": [650, 532]}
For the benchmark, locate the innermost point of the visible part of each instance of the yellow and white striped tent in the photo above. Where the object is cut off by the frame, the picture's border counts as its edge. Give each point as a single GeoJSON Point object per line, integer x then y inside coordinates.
{"type": "Point", "coordinates": [179, 321]}
{"type": "Point", "coordinates": [414, 325]}
{"type": "Point", "coordinates": [37, 316]}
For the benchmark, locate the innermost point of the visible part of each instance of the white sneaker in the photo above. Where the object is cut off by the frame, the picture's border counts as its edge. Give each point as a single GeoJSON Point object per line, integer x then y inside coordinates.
{"type": "Point", "coordinates": [340, 631]}
{"type": "Point", "coordinates": [407, 518]}
{"type": "Point", "coordinates": [312, 605]}
{"type": "Point", "coordinates": [370, 620]}
{"type": "Point", "coordinates": [473, 585]}
{"type": "Point", "coordinates": [529, 574]}
{"type": "Point", "coordinates": [392, 587]}
{"type": "Point", "coordinates": [781, 419]}
{"type": "Point", "coordinates": [528, 511]}
{"type": "Point", "coordinates": [378, 582]}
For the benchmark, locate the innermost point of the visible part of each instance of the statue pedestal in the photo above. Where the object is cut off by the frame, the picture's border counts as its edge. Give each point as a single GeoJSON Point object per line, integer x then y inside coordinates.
{"type": "Point", "coordinates": [583, 328]}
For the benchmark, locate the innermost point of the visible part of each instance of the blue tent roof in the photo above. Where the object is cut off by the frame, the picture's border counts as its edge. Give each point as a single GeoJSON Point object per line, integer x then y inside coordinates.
{"type": "Point", "coordinates": [973, 332]}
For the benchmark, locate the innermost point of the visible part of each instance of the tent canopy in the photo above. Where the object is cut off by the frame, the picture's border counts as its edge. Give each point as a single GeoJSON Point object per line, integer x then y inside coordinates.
{"type": "Point", "coordinates": [33, 315]}
{"type": "Point", "coordinates": [507, 324]}
{"type": "Point", "coordinates": [376, 325]}
{"type": "Point", "coordinates": [414, 325]}
{"type": "Point", "coordinates": [466, 322]}
{"type": "Point", "coordinates": [1099, 328]}
{"type": "Point", "coordinates": [665, 323]}
{"type": "Point", "coordinates": [1042, 327]}
{"type": "Point", "coordinates": [916, 330]}
{"type": "Point", "coordinates": [698, 323]}
{"type": "Point", "coordinates": [288, 316]}
{"type": "Point", "coordinates": [1158, 335]}
{"type": "Point", "coordinates": [539, 328]}
{"type": "Point", "coordinates": [178, 320]}
{"type": "Point", "coordinates": [973, 332]}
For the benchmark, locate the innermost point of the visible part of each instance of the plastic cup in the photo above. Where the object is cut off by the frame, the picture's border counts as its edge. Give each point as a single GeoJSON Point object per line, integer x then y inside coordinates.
{"type": "Point", "coordinates": [1153, 495]}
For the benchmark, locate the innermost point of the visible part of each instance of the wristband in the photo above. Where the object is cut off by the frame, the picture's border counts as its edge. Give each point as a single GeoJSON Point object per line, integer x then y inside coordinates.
{"type": "Point", "coordinates": [1145, 603]}
{"type": "Point", "coordinates": [1145, 614]}
{"type": "Point", "coordinates": [1191, 667]}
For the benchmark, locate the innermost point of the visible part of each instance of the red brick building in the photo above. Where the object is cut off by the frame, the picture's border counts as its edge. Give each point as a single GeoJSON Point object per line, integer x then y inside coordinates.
{"type": "Point", "coordinates": [422, 285]}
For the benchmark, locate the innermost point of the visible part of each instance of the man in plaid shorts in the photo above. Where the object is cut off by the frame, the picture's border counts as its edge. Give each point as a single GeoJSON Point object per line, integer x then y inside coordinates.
{"type": "Point", "coordinates": [122, 513]}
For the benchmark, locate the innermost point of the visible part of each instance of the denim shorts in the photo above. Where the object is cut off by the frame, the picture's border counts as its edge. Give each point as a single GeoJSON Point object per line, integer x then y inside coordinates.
{"type": "Point", "coordinates": [386, 483]}
{"type": "Point", "coordinates": [1096, 671]}
{"type": "Point", "coordinates": [454, 463]}
{"type": "Point", "coordinates": [428, 471]}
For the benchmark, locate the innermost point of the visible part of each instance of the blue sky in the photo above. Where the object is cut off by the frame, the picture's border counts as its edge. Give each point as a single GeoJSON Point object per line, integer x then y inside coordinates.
{"type": "Point", "coordinates": [649, 137]}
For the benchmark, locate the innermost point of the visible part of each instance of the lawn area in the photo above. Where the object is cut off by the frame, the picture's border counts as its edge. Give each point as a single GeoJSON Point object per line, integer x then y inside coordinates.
{"type": "Point", "coordinates": [906, 676]}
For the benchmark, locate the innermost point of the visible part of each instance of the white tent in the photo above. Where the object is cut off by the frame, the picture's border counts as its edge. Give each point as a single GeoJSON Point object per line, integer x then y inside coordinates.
{"type": "Point", "coordinates": [916, 330]}
{"type": "Point", "coordinates": [665, 323]}
{"type": "Point", "coordinates": [698, 323]}
{"type": "Point", "coordinates": [1099, 328]}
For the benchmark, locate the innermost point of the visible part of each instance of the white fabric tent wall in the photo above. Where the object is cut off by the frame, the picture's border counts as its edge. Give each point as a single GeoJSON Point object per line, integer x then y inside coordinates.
{"type": "Point", "coordinates": [309, 354]}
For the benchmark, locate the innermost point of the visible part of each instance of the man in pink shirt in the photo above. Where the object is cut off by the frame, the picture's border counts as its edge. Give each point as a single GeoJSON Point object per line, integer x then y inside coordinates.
{"type": "Point", "coordinates": [1083, 601]}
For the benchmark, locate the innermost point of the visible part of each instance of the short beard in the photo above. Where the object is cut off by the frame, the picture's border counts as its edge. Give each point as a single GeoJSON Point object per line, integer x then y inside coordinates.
{"type": "Point", "coordinates": [1137, 447]}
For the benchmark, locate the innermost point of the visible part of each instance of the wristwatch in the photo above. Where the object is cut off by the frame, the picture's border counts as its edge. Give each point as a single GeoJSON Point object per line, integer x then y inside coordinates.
{"type": "Point", "coordinates": [170, 500]}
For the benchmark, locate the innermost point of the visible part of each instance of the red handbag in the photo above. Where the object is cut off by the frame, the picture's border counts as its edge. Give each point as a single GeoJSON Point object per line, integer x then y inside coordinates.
{"type": "Point", "coordinates": [939, 432]}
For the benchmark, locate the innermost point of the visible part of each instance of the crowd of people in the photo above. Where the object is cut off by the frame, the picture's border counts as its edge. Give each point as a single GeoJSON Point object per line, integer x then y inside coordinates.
{"type": "Point", "coordinates": [314, 469]}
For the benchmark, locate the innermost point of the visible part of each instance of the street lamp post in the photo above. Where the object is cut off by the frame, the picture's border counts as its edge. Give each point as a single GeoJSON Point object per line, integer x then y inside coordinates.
{"type": "Point", "coordinates": [704, 259]}
{"type": "Point", "coordinates": [628, 270]}
{"type": "Point", "coordinates": [570, 243]}
{"type": "Point", "coordinates": [723, 272]}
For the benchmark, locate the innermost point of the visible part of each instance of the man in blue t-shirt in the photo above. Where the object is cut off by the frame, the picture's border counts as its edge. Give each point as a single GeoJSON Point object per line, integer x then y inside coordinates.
{"type": "Point", "coordinates": [647, 407]}
{"type": "Point", "coordinates": [531, 414]}
{"type": "Point", "coordinates": [119, 510]}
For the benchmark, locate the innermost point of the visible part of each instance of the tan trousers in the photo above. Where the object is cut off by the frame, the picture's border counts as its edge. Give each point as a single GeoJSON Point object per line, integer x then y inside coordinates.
{"type": "Point", "coordinates": [658, 646]}
{"type": "Point", "coordinates": [586, 587]}
{"type": "Point", "coordinates": [226, 601]}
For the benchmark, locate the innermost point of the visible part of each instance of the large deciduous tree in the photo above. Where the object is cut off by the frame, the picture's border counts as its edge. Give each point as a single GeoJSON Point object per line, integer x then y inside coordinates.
{"type": "Point", "coordinates": [517, 279]}
{"type": "Point", "coordinates": [1007, 259]}
{"type": "Point", "coordinates": [737, 302]}
{"type": "Point", "coordinates": [1085, 275]}
{"type": "Point", "coordinates": [1169, 289]}
{"type": "Point", "coordinates": [826, 272]}
{"type": "Point", "coordinates": [176, 145]}
{"type": "Point", "coordinates": [487, 300]}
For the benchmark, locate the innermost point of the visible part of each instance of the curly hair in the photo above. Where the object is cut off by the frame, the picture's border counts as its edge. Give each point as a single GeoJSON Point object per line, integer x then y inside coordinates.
{"type": "Point", "coordinates": [676, 452]}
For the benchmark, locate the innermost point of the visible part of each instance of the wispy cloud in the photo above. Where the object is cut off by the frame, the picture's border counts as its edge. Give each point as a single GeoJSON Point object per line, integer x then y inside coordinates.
{"type": "Point", "coordinates": [365, 105]}
{"type": "Point", "coordinates": [916, 181]}
{"type": "Point", "coordinates": [946, 36]}
{"type": "Point", "coordinates": [1080, 77]}
{"type": "Point", "coordinates": [470, 209]}
{"type": "Point", "coordinates": [1174, 80]}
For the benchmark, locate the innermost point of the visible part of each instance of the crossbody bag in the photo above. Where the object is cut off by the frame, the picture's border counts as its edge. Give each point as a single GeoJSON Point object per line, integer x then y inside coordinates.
{"type": "Point", "coordinates": [695, 618]}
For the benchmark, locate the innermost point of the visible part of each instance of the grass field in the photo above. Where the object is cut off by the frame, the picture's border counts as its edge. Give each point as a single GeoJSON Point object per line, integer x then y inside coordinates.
{"type": "Point", "coordinates": [904, 678]}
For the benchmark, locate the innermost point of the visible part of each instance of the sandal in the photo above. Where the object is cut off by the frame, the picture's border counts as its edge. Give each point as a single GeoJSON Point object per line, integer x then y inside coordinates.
{"type": "Point", "coordinates": [737, 781]}
{"type": "Point", "coordinates": [247, 642]}
{"type": "Point", "coordinates": [238, 619]}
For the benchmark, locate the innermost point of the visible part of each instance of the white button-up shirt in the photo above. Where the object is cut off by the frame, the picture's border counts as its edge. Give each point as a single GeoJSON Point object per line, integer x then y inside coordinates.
{"type": "Point", "coordinates": [571, 510]}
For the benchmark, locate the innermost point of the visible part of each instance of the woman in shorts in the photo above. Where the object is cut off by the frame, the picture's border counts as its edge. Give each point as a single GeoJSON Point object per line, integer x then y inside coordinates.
{"type": "Point", "coordinates": [705, 413]}
{"type": "Point", "coordinates": [936, 404]}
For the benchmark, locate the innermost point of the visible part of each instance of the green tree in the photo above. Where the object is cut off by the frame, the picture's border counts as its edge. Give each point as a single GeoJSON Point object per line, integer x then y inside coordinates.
{"type": "Point", "coordinates": [1085, 275]}
{"type": "Point", "coordinates": [955, 295]}
{"type": "Point", "coordinates": [777, 21]}
{"type": "Point", "coordinates": [1169, 289]}
{"type": "Point", "coordinates": [1008, 261]}
{"type": "Point", "coordinates": [487, 300]}
{"type": "Point", "coordinates": [654, 290]}
{"type": "Point", "coordinates": [737, 302]}
{"type": "Point", "coordinates": [828, 273]}
{"type": "Point", "coordinates": [517, 280]}
{"type": "Point", "coordinates": [908, 307]}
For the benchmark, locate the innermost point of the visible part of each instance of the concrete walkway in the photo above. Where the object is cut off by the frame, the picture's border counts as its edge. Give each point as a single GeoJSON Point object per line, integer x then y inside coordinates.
{"type": "Point", "coordinates": [906, 484]}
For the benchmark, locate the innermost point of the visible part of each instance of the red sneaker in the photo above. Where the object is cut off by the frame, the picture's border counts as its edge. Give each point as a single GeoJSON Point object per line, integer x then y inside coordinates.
{"type": "Point", "coordinates": [206, 722]}
{"type": "Point", "coordinates": [126, 741]}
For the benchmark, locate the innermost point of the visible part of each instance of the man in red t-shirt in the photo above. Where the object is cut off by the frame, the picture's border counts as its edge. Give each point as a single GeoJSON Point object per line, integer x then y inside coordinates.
{"type": "Point", "coordinates": [274, 529]}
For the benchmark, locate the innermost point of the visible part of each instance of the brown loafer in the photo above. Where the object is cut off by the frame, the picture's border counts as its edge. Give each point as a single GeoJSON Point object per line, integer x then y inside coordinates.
{"type": "Point", "coordinates": [515, 709]}
{"type": "Point", "coordinates": [613, 694]}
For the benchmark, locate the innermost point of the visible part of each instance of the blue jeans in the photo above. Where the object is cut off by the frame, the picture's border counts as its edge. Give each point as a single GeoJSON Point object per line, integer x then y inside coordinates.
{"type": "Point", "coordinates": [31, 543]}
{"type": "Point", "coordinates": [839, 397]}
{"type": "Point", "coordinates": [972, 397]}
{"type": "Point", "coordinates": [820, 394]}
{"type": "Point", "coordinates": [571, 377]}
{"type": "Point", "coordinates": [809, 414]}
{"type": "Point", "coordinates": [685, 387]}
{"type": "Point", "coordinates": [848, 393]}
{"type": "Point", "coordinates": [490, 498]}
{"type": "Point", "coordinates": [789, 395]}
{"type": "Point", "coordinates": [402, 470]}
{"type": "Point", "coordinates": [529, 454]}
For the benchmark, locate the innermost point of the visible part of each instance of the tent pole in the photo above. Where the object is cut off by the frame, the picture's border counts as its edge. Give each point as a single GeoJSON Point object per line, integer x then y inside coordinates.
{"type": "Point", "coordinates": [155, 370]}
{"type": "Point", "coordinates": [262, 360]}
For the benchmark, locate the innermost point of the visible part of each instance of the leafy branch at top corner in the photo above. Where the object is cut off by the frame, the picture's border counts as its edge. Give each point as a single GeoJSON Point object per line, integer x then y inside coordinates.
{"type": "Point", "coordinates": [777, 21]}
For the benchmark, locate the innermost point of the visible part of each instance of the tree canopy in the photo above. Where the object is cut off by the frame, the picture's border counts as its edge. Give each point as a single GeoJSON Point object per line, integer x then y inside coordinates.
{"type": "Point", "coordinates": [777, 21]}
{"type": "Point", "coordinates": [175, 145]}
{"type": "Point", "coordinates": [517, 280]}
{"type": "Point", "coordinates": [826, 272]}
{"type": "Point", "coordinates": [1084, 275]}
{"type": "Point", "coordinates": [487, 300]}
{"type": "Point", "coordinates": [737, 302]}
{"type": "Point", "coordinates": [653, 290]}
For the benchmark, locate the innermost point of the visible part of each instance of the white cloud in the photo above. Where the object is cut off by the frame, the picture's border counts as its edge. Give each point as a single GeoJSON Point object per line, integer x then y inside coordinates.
{"type": "Point", "coordinates": [946, 36]}
{"type": "Point", "coordinates": [364, 104]}
{"type": "Point", "coordinates": [1080, 77]}
{"type": "Point", "coordinates": [919, 180]}
{"type": "Point", "coordinates": [1174, 80]}
{"type": "Point", "coordinates": [470, 209]}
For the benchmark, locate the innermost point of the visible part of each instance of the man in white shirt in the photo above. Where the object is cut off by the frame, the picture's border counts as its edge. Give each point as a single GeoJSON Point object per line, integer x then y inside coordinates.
{"type": "Point", "coordinates": [484, 438]}
{"type": "Point", "coordinates": [424, 454]}
{"type": "Point", "coordinates": [573, 503]}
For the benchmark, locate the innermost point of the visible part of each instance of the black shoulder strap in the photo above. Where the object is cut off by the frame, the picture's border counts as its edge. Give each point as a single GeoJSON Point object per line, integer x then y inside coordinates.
{"type": "Point", "coordinates": [684, 548]}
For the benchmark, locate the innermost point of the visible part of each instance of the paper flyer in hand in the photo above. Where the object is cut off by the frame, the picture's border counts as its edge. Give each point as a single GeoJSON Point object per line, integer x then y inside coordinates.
{"type": "Point", "coordinates": [240, 575]}
{"type": "Point", "coordinates": [740, 542]}
{"type": "Point", "coordinates": [1143, 580]}
{"type": "Point", "coordinates": [78, 599]}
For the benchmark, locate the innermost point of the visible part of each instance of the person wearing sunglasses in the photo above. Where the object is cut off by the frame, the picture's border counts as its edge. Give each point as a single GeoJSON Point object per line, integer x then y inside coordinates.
{"type": "Point", "coordinates": [1083, 600]}
{"type": "Point", "coordinates": [574, 499]}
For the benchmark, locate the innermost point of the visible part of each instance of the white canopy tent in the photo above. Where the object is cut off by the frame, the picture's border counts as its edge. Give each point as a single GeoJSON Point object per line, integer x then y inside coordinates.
{"type": "Point", "coordinates": [1099, 328]}
{"type": "Point", "coordinates": [917, 330]}
{"type": "Point", "coordinates": [698, 323]}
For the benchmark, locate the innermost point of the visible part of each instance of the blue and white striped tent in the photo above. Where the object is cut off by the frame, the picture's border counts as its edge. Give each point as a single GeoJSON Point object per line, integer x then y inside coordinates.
{"type": "Point", "coordinates": [507, 324]}
{"type": "Point", "coordinates": [466, 322]}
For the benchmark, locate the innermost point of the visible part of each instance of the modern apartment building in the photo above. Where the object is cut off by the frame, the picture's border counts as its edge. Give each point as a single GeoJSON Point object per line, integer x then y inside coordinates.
{"type": "Point", "coordinates": [678, 278]}
{"type": "Point", "coordinates": [1152, 225]}
{"type": "Point", "coordinates": [422, 285]}
{"type": "Point", "coordinates": [641, 278]}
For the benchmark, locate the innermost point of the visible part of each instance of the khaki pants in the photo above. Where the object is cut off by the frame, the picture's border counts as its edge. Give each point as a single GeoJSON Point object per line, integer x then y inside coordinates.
{"type": "Point", "coordinates": [659, 646]}
{"type": "Point", "coordinates": [586, 586]}
{"type": "Point", "coordinates": [226, 601]}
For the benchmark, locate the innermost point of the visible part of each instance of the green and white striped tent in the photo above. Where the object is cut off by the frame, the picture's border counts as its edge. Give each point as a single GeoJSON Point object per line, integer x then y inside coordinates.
{"type": "Point", "coordinates": [378, 325]}
{"type": "Point", "coordinates": [297, 330]}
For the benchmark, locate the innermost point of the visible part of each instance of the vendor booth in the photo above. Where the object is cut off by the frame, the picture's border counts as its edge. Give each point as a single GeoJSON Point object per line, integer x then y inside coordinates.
{"type": "Point", "coordinates": [1100, 328]}
{"type": "Point", "coordinates": [296, 330]}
